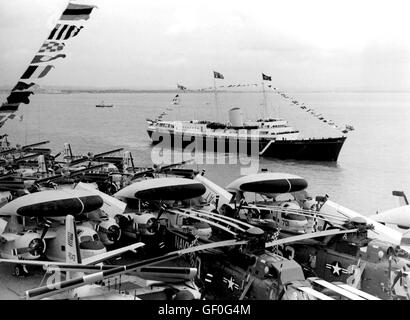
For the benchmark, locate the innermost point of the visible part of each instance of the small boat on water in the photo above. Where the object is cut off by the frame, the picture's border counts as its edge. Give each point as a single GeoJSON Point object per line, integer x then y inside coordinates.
{"type": "Point", "coordinates": [103, 105]}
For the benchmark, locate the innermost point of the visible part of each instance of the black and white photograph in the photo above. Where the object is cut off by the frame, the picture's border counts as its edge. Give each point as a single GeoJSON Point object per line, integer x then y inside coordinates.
{"type": "Point", "coordinates": [219, 151]}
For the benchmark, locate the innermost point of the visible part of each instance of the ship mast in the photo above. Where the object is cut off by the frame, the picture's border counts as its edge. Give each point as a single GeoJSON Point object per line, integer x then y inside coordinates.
{"type": "Point", "coordinates": [265, 103]}
{"type": "Point", "coordinates": [265, 100]}
{"type": "Point", "coordinates": [217, 75]}
{"type": "Point", "coordinates": [216, 99]}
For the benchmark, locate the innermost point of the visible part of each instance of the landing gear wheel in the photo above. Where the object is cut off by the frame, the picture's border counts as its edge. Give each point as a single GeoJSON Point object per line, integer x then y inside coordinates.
{"type": "Point", "coordinates": [20, 270]}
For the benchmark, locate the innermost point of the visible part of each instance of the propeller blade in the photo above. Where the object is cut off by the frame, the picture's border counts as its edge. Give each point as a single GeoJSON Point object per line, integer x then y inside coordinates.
{"type": "Point", "coordinates": [397, 278]}
{"type": "Point", "coordinates": [45, 229]}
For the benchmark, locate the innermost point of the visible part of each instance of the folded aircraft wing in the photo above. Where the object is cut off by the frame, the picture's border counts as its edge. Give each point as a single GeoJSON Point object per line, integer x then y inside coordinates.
{"type": "Point", "coordinates": [110, 254]}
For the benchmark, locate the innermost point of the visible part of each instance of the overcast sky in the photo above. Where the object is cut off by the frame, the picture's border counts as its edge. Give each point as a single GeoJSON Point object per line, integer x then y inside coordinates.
{"type": "Point", "coordinates": [149, 44]}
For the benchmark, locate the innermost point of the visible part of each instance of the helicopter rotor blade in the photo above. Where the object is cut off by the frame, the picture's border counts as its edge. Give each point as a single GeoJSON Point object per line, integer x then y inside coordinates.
{"type": "Point", "coordinates": [70, 175]}
{"type": "Point", "coordinates": [308, 236]}
{"type": "Point", "coordinates": [46, 291]}
{"type": "Point", "coordinates": [102, 154]}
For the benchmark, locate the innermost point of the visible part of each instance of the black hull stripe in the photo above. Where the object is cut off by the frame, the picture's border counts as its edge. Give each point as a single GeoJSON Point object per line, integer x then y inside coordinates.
{"type": "Point", "coordinates": [324, 149]}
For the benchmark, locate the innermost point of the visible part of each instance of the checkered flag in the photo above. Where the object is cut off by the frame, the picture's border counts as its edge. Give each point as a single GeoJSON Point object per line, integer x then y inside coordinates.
{"type": "Point", "coordinates": [275, 237]}
{"type": "Point", "coordinates": [51, 46]}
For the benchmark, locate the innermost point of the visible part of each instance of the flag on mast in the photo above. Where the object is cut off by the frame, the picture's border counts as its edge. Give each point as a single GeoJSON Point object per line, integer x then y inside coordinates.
{"type": "Point", "coordinates": [36, 71]}
{"type": "Point", "coordinates": [51, 46]}
{"type": "Point", "coordinates": [60, 32]}
{"type": "Point", "coordinates": [64, 32]}
{"type": "Point", "coordinates": [44, 58]}
{"type": "Point", "coordinates": [77, 12]}
{"type": "Point", "coordinates": [265, 77]}
{"type": "Point", "coordinates": [218, 75]}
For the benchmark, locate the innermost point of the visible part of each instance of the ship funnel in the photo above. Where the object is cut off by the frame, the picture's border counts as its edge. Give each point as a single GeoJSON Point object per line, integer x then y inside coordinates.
{"type": "Point", "coordinates": [235, 117]}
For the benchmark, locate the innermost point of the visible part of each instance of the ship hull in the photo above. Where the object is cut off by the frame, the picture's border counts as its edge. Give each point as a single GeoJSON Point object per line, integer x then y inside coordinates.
{"type": "Point", "coordinates": [320, 149]}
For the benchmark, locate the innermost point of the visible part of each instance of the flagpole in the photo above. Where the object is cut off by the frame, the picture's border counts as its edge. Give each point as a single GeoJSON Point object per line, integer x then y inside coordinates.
{"type": "Point", "coordinates": [265, 107]}
{"type": "Point", "coordinates": [216, 99]}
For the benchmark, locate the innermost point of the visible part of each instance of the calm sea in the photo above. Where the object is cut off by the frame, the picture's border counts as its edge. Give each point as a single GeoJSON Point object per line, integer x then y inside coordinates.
{"type": "Point", "coordinates": [375, 158]}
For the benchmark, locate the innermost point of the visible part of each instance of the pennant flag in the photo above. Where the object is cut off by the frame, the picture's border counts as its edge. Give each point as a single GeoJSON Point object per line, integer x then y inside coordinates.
{"type": "Point", "coordinates": [181, 87]}
{"type": "Point", "coordinates": [265, 77]}
{"type": "Point", "coordinates": [19, 97]}
{"type": "Point", "coordinates": [51, 46]}
{"type": "Point", "coordinates": [36, 71]}
{"type": "Point", "coordinates": [77, 12]}
{"type": "Point", "coordinates": [64, 32]}
{"type": "Point", "coordinates": [22, 86]}
{"type": "Point", "coordinates": [44, 58]}
{"type": "Point", "coordinates": [218, 75]}
{"type": "Point", "coordinates": [7, 107]}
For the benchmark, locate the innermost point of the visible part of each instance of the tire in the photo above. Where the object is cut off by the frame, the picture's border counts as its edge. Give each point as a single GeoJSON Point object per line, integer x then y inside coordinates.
{"type": "Point", "coordinates": [18, 270]}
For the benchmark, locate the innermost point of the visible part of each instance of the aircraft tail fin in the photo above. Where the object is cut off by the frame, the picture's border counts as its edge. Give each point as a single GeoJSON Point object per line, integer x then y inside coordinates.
{"type": "Point", "coordinates": [68, 154]}
{"type": "Point", "coordinates": [42, 165]}
{"type": "Point", "coordinates": [402, 197]}
{"type": "Point", "coordinates": [128, 162]}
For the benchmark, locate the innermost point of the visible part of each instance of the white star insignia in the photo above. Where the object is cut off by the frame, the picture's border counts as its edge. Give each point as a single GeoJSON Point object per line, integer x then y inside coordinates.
{"type": "Point", "coordinates": [230, 282]}
{"type": "Point", "coordinates": [336, 268]}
